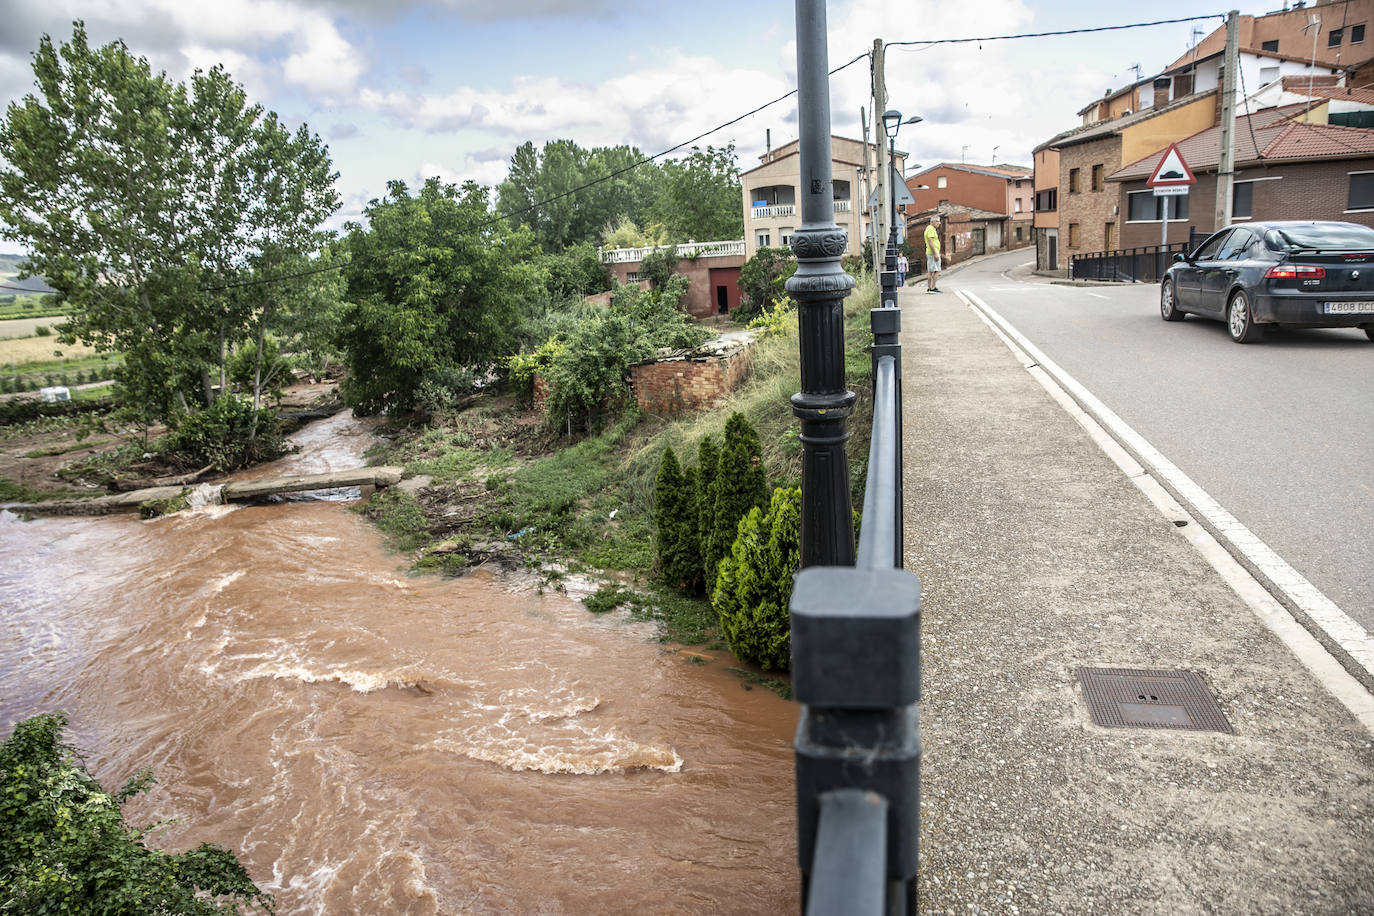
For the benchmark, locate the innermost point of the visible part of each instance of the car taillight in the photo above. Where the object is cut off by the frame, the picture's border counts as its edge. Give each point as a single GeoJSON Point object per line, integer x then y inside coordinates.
{"type": "Point", "coordinates": [1295, 272]}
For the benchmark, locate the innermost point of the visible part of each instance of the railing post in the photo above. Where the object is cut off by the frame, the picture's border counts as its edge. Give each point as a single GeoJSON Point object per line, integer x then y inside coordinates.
{"type": "Point", "coordinates": [856, 670]}
{"type": "Point", "coordinates": [819, 286]}
{"type": "Point", "coordinates": [886, 324]}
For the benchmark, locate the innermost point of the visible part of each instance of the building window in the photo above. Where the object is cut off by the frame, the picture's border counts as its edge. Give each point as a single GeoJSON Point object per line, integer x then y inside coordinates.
{"type": "Point", "coordinates": [1361, 191]}
{"type": "Point", "coordinates": [1018, 205]}
{"type": "Point", "coordinates": [1356, 34]}
{"type": "Point", "coordinates": [1268, 75]}
{"type": "Point", "coordinates": [1242, 199]}
{"type": "Point", "coordinates": [1270, 46]}
{"type": "Point", "coordinates": [1018, 233]}
{"type": "Point", "coordinates": [1098, 172]}
{"type": "Point", "coordinates": [762, 238]}
{"type": "Point", "coordinates": [1145, 207]}
{"type": "Point", "coordinates": [1073, 235]}
{"type": "Point", "coordinates": [942, 181]}
{"type": "Point", "coordinates": [785, 236]}
{"type": "Point", "coordinates": [1047, 201]}
{"type": "Point", "coordinates": [1333, 38]}
{"type": "Point", "coordinates": [1073, 181]}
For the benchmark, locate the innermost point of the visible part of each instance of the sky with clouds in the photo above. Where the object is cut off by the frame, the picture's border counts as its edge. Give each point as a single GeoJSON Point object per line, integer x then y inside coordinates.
{"type": "Point", "coordinates": [408, 89]}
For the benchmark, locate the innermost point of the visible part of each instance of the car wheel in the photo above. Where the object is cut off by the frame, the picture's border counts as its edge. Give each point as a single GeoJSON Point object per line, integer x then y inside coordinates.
{"type": "Point", "coordinates": [1239, 321]}
{"type": "Point", "coordinates": [1168, 302]}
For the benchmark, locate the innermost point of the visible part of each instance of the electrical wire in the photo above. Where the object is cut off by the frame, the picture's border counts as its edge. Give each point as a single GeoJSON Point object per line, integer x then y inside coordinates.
{"type": "Point", "coordinates": [497, 218]}
{"type": "Point", "coordinates": [1105, 28]}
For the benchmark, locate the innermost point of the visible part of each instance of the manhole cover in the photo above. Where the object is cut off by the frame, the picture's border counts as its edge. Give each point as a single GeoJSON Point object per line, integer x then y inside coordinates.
{"type": "Point", "coordinates": [1142, 698]}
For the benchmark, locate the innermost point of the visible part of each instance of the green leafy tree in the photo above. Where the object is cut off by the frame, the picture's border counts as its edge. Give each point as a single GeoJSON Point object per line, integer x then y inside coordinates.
{"type": "Point", "coordinates": [679, 562]}
{"type": "Point", "coordinates": [433, 283]}
{"type": "Point", "coordinates": [763, 278]}
{"type": "Point", "coordinates": [754, 583]}
{"type": "Point", "coordinates": [567, 194]}
{"type": "Point", "coordinates": [740, 484]}
{"type": "Point", "coordinates": [65, 848]}
{"type": "Point", "coordinates": [698, 196]}
{"type": "Point", "coordinates": [658, 266]}
{"type": "Point", "coordinates": [575, 272]}
{"type": "Point", "coordinates": [144, 202]}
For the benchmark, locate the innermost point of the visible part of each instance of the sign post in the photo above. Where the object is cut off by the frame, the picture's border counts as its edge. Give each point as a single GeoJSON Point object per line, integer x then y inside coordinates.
{"type": "Point", "coordinates": [1171, 178]}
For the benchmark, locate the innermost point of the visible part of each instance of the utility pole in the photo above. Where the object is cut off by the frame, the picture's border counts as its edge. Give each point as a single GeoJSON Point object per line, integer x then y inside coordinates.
{"type": "Point", "coordinates": [884, 166]}
{"type": "Point", "coordinates": [1229, 83]}
{"type": "Point", "coordinates": [868, 193]}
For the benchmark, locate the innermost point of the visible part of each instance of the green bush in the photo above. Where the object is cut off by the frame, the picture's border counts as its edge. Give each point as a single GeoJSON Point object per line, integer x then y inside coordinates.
{"type": "Point", "coordinates": [740, 484]}
{"type": "Point", "coordinates": [228, 435]}
{"type": "Point", "coordinates": [65, 848]}
{"type": "Point", "coordinates": [754, 584]}
{"type": "Point", "coordinates": [43, 330]}
{"type": "Point", "coordinates": [762, 279]}
{"type": "Point", "coordinates": [523, 367]}
{"type": "Point", "coordinates": [708, 459]}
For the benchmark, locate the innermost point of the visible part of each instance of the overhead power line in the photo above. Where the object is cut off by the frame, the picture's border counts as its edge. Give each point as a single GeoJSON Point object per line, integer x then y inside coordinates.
{"type": "Point", "coordinates": [557, 197]}
{"type": "Point", "coordinates": [1104, 28]}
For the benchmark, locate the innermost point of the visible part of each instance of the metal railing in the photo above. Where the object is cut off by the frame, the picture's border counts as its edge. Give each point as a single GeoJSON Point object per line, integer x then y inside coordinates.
{"type": "Point", "coordinates": [855, 614]}
{"type": "Point", "coordinates": [856, 670]}
{"type": "Point", "coordinates": [1146, 264]}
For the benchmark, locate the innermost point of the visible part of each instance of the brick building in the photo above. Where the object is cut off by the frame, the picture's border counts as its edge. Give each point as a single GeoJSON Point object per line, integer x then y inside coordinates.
{"type": "Point", "coordinates": [1088, 208]}
{"type": "Point", "coordinates": [772, 211]}
{"type": "Point", "coordinates": [1284, 169]}
{"type": "Point", "coordinates": [1045, 221]}
{"type": "Point", "coordinates": [711, 269]}
{"type": "Point", "coordinates": [1002, 189]}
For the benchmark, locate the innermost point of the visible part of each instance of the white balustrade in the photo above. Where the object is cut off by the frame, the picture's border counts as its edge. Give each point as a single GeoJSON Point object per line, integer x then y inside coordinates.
{"type": "Point", "coordinates": [775, 210]}
{"type": "Point", "coordinates": [689, 250]}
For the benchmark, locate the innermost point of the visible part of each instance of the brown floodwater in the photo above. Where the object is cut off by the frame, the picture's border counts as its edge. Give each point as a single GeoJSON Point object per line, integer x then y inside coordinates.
{"type": "Point", "coordinates": [375, 743]}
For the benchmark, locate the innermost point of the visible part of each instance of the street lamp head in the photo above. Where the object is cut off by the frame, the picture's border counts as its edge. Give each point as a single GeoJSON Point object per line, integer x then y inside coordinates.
{"type": "Point", "coordinates": [892, 119]}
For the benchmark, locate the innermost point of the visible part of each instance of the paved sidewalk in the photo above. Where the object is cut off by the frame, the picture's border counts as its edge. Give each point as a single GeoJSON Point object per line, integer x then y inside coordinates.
{"type": "Point", "coordinates": [1036, 557]}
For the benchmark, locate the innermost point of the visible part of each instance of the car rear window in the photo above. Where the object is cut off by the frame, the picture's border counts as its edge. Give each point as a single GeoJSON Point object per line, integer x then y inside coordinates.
{"type": "Point", "coordinates": [1322, 237]}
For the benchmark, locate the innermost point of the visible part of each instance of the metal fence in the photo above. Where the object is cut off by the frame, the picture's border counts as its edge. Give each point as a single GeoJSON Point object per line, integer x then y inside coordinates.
{"type": "Point", "coordinates": [856, 670]}
{"type": "Point", "coordinates": [1146, 264]}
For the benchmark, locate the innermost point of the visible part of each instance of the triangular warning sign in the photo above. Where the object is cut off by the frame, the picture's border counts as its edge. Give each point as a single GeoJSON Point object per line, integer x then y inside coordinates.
{"type": "Point", "coordinates": [1171, 171]}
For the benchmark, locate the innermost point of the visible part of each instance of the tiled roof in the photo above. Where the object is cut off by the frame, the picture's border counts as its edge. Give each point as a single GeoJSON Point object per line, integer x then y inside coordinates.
{"type": "Point", "coordinates": [1107, 128]}
{"type": "Point", "coordinates": [999, 171]}
{"type": "Point", "coordinates": [1338, 93]}
{"type": "Point", "coordinates": [1295, 83]}
{"type": "Point", "coordinates": [1265, 135]}
{"type": "Point", "coordinates": [1305, 141]}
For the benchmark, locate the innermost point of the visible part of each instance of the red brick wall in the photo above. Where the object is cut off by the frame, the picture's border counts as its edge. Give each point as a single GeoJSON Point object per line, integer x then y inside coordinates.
{"type": "Point", "coordinates": [687, 383]}
{"type": "Point", "coordinates": [1303, 191]}
{"type": "Point", "coordinates": [983, 192]}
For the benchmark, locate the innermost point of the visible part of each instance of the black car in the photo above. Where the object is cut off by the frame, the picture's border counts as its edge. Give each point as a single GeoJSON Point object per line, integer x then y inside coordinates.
{"type": "Point", "coordinates": [1299, 274]}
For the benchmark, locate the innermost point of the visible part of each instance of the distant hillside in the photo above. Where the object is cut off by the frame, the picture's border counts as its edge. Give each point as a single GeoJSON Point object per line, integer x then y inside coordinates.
{"type": "Point", "coordinates": [9, 270]}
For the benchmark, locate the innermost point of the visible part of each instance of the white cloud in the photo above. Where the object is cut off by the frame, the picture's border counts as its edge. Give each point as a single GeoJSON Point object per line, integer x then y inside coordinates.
{"type": "Point", "coordinates": [652, 107]}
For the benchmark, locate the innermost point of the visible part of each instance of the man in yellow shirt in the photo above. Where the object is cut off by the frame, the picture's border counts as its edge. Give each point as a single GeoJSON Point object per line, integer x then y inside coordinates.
{"type": "Point", "coordinates": [932, 236]}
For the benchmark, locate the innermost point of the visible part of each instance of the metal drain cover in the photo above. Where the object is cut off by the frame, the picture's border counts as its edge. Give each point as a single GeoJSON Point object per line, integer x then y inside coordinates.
{"type": "Point", "coordinates": [1144, 698]}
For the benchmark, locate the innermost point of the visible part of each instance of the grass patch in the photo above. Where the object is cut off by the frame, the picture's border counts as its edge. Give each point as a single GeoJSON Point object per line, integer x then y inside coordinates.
{"type": "Point", "coordinates": [14, 492]}
{"type": "Point", "coordinates": [63, 448]}
{"type": "Point", "coordinates": [399, 516]}
{"type": "Point", "coordinates": [751, 679]}
{"type": "Point", "coordinates": [39, 353]}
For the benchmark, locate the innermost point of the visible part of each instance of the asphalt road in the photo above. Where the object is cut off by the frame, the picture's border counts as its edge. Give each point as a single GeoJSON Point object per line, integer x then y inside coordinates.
{"type": "Point", "coordinates": [1280, 433]}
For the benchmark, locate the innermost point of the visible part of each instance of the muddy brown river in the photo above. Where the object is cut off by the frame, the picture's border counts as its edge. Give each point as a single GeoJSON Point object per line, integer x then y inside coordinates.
{"type": "Point", "coordinates": [375, 743]}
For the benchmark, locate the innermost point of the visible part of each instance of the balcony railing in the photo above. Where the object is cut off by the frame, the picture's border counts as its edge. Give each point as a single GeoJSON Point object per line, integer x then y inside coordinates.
{"type": "Point", "coordinates": [774, 210]}
{"type": "Point", "coordinates": [689, 250]}
{"type": "Point", "coordinates": [842, 206]}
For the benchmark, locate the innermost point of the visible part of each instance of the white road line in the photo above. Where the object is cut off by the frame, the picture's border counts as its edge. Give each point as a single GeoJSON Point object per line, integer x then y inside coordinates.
{"type": "Point", "coordinates": [1337, 626]}
{"type": "Point", "coordinates": [1098, 295]}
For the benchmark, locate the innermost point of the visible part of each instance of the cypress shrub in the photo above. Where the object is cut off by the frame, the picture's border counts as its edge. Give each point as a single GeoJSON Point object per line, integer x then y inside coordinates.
{"type": "Point", "coordinates": [694, 582]}
{"type": "Point", "coordinates": [678, 560]}
{"type": "Point", "coordinates": [708, 458]}
{"type": "Point", "coordinates": [754, 583]}
{"type": "Point", "coordinates": [740, 484]}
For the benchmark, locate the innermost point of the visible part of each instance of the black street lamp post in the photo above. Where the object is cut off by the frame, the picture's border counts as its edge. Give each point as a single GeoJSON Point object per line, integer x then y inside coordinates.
{"type": "Point", "coordinates": [892, 123]}
{"type": "Point", "coordinates": [819, 286]}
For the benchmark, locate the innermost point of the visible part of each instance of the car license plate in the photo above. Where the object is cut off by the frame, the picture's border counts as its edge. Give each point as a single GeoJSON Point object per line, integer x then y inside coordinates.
{"type": "Point", "coordinates": [1347, 308]}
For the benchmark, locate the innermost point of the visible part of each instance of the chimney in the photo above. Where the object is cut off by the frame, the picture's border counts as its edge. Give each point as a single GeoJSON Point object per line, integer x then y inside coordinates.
{"type": "Point", "coordinates": [767, 145]}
